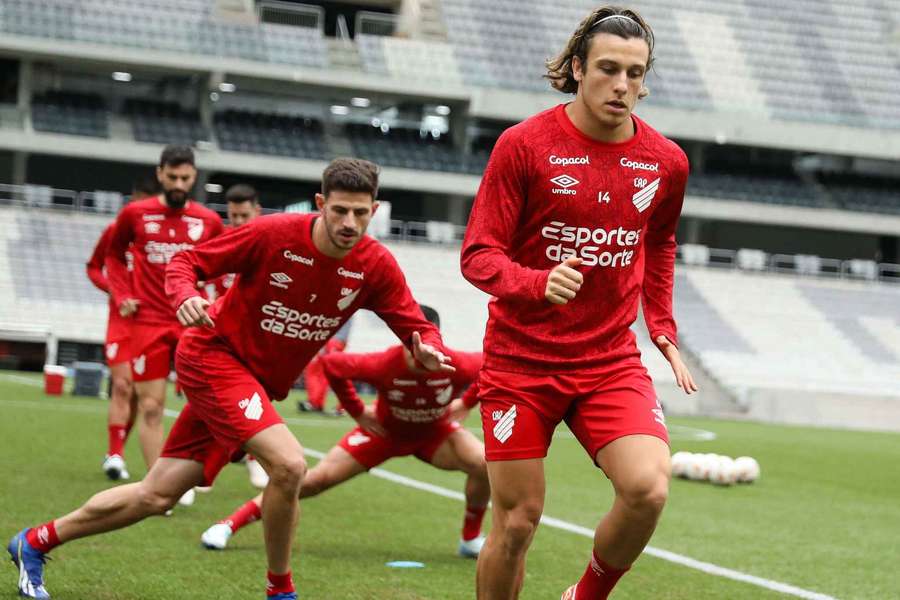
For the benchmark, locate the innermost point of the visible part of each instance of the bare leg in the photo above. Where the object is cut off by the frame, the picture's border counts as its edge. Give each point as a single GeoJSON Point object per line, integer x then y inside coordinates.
{"type": "Point", "coordinates": [125, 505]}
{"type": "Point", "coordinates": [517, 490]}
{"type": "Point", "coordinates": [120, 398]}
{"type": "Point", "coordinates": [335, 468]}
{"type": "Point", "coordinates": [462, 451]}
{"type": "Point", "coordinates": [638, 467]}
{"type": "Point", "coordinates": [279, 452]}
{"type": "Point", "coordinates": [151, 401]}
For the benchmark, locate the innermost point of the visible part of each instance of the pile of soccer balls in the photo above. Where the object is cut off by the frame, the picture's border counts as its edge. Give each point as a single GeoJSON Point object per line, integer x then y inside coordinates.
{"type": "Point", "coordinates": [715, 468]}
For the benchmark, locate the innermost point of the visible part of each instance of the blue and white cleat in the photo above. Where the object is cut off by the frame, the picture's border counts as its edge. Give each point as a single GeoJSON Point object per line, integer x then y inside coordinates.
{"type": "Point", "coordinates": [284, 596]}
{"type": "Point", "coordinates": [471, 548]}
{"type": "Point", "coordinates": [30, 563]}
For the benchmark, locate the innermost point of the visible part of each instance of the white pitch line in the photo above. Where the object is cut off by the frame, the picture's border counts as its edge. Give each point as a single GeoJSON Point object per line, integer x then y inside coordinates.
{"type": "Point", "coordinates": [680, 559]}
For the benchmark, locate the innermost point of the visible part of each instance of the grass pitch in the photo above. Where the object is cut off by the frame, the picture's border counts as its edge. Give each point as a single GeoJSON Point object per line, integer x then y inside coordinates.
{"type": "Point", "coordinates": [824, 517]}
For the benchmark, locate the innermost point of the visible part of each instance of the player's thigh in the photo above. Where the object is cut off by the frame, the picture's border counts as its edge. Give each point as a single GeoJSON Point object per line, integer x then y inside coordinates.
{"type": "Point", "coordinates": [336, 467]}
{"type": "Point", "coordinates": [460, 451]}
{"type": "Point", "coordinates": [151, 392]}
{"type": "Point", "coordinates": [636, 463]}
{"type": "Point", "coordinates": [274, 445]}
{"type": "Point", "coordinates": [171, 477]}
{"type": "Point", "coordinates": [622, 404]}
{"type": "Point", "coordinates": [517, 485]}
{"type": "Point", "coordinates": [120, 371]}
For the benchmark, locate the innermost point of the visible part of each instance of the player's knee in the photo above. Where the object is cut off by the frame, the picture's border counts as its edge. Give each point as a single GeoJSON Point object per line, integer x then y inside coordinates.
{"type": "Point", "coordinates": [154, 502]}
{"type": "Point", "coordinates": [646, 491]}
{"type": "Point", "coordinates": [288, 473]}
{"type": "Point", "coordinates": [151, 410]}
{"type": "Point", "coordinates": [121, 388]}
{"type": "Point", "coordinates": [519, 527]}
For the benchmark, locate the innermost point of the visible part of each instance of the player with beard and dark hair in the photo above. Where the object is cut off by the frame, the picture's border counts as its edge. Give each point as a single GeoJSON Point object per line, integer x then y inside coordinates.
{"type": "Point", "coordinates": [154, 229]}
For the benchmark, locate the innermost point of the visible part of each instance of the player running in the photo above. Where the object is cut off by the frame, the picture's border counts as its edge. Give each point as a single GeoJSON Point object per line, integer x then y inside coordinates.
{"type": "Point", "coordinates": [154, 229]}
{"type": "Point", "coordinates": [413, 415]}
{"type": "Point", "coordinates": [122, 397]}
{"type": "Point", "coordinates": [299, 278]}
{"type": "Point", "coordinates": [573, 225]}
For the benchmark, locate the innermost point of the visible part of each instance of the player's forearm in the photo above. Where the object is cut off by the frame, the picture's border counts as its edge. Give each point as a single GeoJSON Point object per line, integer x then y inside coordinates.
{"type": "Point", "coordinates": [658, 286]}
{"type": "Point", "coordinates": [118, 278]}
{"type": "Point", "coordinates": [347, 396]}
{"type": "Point", "coordinates": [470, 398]}
{"type": "Point", "coordinates": [181, 279]}
{"type": "Point", "coordinates": [95, 274]}
{"type": "Point", "coordinates": [493, 272]}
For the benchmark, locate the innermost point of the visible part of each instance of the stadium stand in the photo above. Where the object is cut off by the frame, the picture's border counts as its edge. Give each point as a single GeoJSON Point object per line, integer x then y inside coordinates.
{"type": "Point", "coordinates": [265, 133]}
{"type": "Point", "coordinates": [71, 113]}
{"type": "Point", "coordinates": [164, 122]}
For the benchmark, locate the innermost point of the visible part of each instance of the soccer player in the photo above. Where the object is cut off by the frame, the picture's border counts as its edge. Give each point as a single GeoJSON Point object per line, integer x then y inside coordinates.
{"type": "Point", "coordinates": [413, 415]}
{"type": "Point", "coordinates": [299, 278]}
{"type": "Point", "coordinates": [122, 398]}
{"type": "Point", "coordinates": [154, 229]}
{"type": "Point", "coordinates": [573, 226]}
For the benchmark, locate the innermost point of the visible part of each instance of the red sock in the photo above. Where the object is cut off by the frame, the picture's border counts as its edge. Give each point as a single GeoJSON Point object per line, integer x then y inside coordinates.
{"type": "Point", "coordinates": [279, 584]}
{"type": "Point", "coordinates": [472, 522]}
{"type": "Point", "coordinates": [245, 515]}
{"type": "Point", "coordinates": [43, 537]}
{"type": "Point", "coordinates": [598, 580]}
{"type": "Point", "coordinates": [117, 435]}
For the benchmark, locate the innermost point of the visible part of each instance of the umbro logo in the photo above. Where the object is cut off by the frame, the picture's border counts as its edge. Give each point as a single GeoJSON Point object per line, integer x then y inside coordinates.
{"type": "Point", "coordinates": [152, 227]}
{"type": "Point", "coordinates": [43, 535]}
{"type": "Point", "coordinates": [252, 407]}
{"type": "Point", "coordinates": [280, 280]}
{"type": "Point", "coordinates": [503, 429]}
{"type": "Point", "coordinates": [564, 182]}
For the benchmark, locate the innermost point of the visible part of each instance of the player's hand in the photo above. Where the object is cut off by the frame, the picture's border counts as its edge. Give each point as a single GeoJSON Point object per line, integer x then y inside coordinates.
{"type": "Point", "coordinates": [192, 313]}
{"type": "Point", "coordinates": [368, 420]}
{"type": "Point", "coordinates": [564, 282]}
{"type": "Point", "coordinates": [430, 357]}
{"type": "Point", "coordinates": [458, 411]}
{"type": "Point", "coordinates": [128, 307]}
{"type": "Point", "coordinates": [683, 376]}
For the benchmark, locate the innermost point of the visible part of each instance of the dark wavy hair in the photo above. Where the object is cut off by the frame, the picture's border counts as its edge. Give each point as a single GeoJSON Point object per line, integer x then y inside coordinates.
{"type": "Point", "coordinates": [629, 25]}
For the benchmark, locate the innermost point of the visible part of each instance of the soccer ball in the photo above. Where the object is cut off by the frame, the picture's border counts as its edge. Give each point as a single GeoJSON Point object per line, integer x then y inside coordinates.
{"type": "Point", "coordinates": [697, 467]}
{"type": "Point", "coordinates": [723, 471]}
{"type": "Point", "coordinates": [747, 469]}
{"type": "Point", "coordinates": [680, 462]}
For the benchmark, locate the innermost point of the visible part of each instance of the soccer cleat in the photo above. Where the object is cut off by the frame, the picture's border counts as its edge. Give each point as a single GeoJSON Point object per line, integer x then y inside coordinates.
{"type": "Point", "coordinates": [216, 537]}
{"type": "Point", "coordinates": [203, 489]}
{"type": "Point", "coordinates": [471, 548]}
{"type": "Point", "coordinates": [283, 596]}
{"type": "Point", "coordinates": [569, 594]}
{"type": "Point", "coordinates": [30, 563]}
{"type": "Point", "coordinates": [258, 476]}
{"type": "Point", "coordinates": [188, 498]}
{"type": "Point", "coordinates": [114, 467]}
{"type": "Point", "coordinates": [305, 406]}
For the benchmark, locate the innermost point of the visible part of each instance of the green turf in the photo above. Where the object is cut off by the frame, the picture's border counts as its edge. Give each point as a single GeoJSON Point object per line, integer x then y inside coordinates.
{"type": "Point", "coordinates": [824, 517]}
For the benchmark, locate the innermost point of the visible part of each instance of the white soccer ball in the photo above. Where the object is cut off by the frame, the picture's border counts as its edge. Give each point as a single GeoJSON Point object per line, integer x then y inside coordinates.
{"type": "Point", "coordinates": [747, 469]}
{"type": "Point", "coordinates": [680, 462]}
{"type": "Point", "coordinates": [697, 467]}
{"type": "Point", "coordinates": [723, 471]}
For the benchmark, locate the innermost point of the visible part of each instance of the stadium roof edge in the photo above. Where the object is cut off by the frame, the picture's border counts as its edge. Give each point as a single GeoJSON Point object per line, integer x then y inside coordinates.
{"type": "Point", "coordinates": [505, 105]}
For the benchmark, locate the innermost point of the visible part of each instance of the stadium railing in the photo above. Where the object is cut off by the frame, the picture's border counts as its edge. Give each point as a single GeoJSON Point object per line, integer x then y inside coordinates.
{"type": "Point", "coordinates": [440, 232]}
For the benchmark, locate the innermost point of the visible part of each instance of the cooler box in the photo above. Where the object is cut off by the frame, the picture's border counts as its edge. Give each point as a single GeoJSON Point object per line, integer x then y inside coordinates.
{"type": "Point", "coordinates": [54, 377]}
{"type": "Point", "coordinates": [88, 377]}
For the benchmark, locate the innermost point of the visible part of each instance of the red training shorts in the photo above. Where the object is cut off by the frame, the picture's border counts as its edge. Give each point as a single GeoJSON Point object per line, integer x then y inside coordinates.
{"type": "Point", "coordinates": [370, 450]}
{"type": "Point", "coordinates": [226, 406]}
{"type": "Point", "coordinates": [152, 348]}
{"type": "Point", "coordinates": [519, 411]}
{"type": "Point", "coordinates": [118, 337]}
